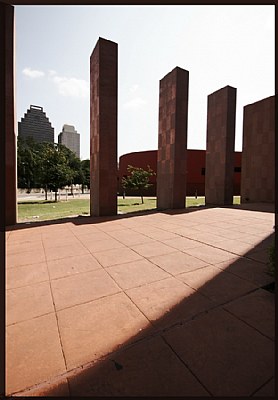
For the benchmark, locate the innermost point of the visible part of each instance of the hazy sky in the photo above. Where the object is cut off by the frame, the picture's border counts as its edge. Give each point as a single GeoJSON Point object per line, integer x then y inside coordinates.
{"type": "Point", "coordinates": [218, 45]}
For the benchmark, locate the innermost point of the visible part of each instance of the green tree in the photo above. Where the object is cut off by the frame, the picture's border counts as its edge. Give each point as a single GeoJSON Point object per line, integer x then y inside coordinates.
{"type": "Point", "coordinates": [40, 164]}
{"type": "Point", "coordinates": [138, 179]}
{"type": "Point", "coordinates": [74, 163]}
{"type": "Point", "coordinates": [85, 174]}
{"type": "Point", "coordinates": [55, 170]}
{"type": "Point", "coordinates": [28, 158]}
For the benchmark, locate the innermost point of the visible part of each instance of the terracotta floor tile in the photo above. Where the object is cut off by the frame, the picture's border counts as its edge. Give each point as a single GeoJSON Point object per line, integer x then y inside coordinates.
{"type": "Point", "coordinates": [64, 234]}
{"type": "Point", "coordinates": [168, 301]}
{"type": "Point", "coordinates": [234, 246]}
{"type": "Point", "coordinates": [26, 275]}
{"type": "Point", "coordinates": [177, 262]}
{"type": "Point", "coordinates": [252, 240]}
{"type": "Point", "coordinates": [247, 229]}
{"type": "Point", "coordinates": [25, 258]}
{"type": "Point", "coordinates": [110, 226]}
{"type": "Point", "coordinates": [225, 364]}
{"type": "Point", "coordinates": [105, 244]}
{"type": "Point", "coordinates": [129, 237]}
{"type": "Point", "coordinates": [185, 224]}
{"type": "Point", "coordinates": [94, 329]}
{"type": "Point", "coordinates": [169, 226]}
{"type": "Point", "coordinates": [210, 254]}
{"type": "Point", "coordinates": [146, 369]}
{"type": "Point", "coordinates": [182, 243]}
{"type": "Point", "coordinates": [186, 231]}
{"type": "Point", "coordinates": [261, 256]}
{"type": "Point", "coordinates": [60, 241]}
{"type": "Point", "coordinates": [55, 388]}
{"type": "Point", "coordinates": [81, 288]}
{"type": "Point", "coordinates": [116, 256]}
{"type": "Point", "coordinates": [259, 242]}
{"type": "Point", "coordinates": [89, 238]}
{"type": "Point", "coordinates": [250, 270]}
{"type": "Point", "coordinates": [222, 224]}
{"type": "Point", "coordinates": [136, 273]}
{"type": "Point", "coordinates": [72, 265]}
{"type": "Point", "coordinates": [100, 317]}
{"type": "Point", "coordinates": [28, 302]}
{"type": "Point", "coordinates": [130, 223]}
{"type": "Point", "coordinates": [268, 390]}
{"type": "Point", "coordinates": [229, 234]}
{"type": "Point", "coordinates": [219, 286]}
{"type": "Point", "coordinates": [15, 247]}
{"type": "Point", "coordinates": [204, 228]}
{"type": "Point", "coordinates": [162, 235]}
{"type": "Point", "coordinates": [153, 248]}
{"type": "Point", "coordinates": [84, 229]}
{"type": "Point", "coordinates": [33, 353]}
{"type": "Point", "coordinates": [20, 235]}
{"type": "Point", "coordinates": [207, 238]}
{"type": "Point", "coordinates": [56, 253]}
{"type": "Point", "coordinates": [256, 309]}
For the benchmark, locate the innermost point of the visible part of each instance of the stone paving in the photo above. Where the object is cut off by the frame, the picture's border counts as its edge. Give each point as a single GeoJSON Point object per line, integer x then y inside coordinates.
{"type": "Point", "coordinates": [157, 304]}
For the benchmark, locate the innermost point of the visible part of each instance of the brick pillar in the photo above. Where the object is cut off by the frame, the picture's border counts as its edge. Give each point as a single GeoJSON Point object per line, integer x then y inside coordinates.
{"type": "Point", "coordinates": [220, 146]}
{"type": "Point", "coordinates": [103, 128]}
{"type": "Point", "coordinates": [258, 152]}
{"type": "Point", "coordinates": [7, 105]}
{"type": "Point", "coordinates": [172, 140]}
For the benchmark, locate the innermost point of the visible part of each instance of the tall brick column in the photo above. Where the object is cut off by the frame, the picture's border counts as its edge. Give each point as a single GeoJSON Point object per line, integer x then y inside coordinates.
{"type": "Point", "coordinates": [221, 115]}
{"type": "Point", "coordinates": [258, 152]}
{"type": "Point", "coordinates": [103, 128]}
{"type": "Point", "coordinates": [7, 110]}
{"type": "Point", "coordinates": [172, 140]}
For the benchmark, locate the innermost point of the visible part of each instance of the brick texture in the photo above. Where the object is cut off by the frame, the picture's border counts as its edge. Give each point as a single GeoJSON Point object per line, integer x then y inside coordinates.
{"type": "Point", "coordinates": [258, 167]}
{"type": "Point", "coordinates": [220, 146]}
{"type": "Point", "coordinates": [172, 140]}
{"type": "Point", "coordinates": [103, 128]}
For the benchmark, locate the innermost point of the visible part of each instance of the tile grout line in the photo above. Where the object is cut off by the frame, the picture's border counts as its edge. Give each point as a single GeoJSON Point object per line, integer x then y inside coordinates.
{"type": "Point", "coordinates": [264, 384]}
{"type": "Point", "coordinates": [181, 236]}
{"type": "Point", "coordinates": [186, 366]}
{"type": "Point", "coordinates": [123, 291]}
{"type": "Point", "coordinates": [242, 320]}
{"type": "Point", "coordinates": [55, 311]}
{"type": "Point", "coordinates": [127, 247]}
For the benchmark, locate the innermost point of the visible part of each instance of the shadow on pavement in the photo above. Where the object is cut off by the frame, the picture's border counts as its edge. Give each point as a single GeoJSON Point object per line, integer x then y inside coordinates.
{"type": "Point", "coordinates": [218, 341]}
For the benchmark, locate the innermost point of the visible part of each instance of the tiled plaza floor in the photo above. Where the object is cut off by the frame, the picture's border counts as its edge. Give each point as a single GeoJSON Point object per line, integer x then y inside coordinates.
{"type": "Point", "coordinates": [157, 304]}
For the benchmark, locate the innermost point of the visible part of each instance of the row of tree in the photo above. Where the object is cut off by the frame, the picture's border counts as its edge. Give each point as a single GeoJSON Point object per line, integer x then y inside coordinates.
{"type": "Point", "coordinates": [53, 166]}
{"type": "Point", "coordinates": [50, 166]}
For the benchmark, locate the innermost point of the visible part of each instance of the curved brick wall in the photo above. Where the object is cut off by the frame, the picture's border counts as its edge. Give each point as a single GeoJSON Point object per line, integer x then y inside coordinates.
{"type": "Point", "coordinates": [196, 162]}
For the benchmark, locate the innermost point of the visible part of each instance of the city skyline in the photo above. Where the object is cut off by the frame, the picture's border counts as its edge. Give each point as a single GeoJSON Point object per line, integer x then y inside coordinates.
{"type": "Point", "coordinates": [218, 45]}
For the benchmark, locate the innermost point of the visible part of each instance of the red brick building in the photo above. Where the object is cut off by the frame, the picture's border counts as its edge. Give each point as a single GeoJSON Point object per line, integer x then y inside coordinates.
{"type": "Point", "coordinates": [196, 163]}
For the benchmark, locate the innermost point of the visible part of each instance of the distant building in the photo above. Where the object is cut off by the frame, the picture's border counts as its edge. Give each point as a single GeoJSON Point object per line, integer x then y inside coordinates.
{"type": "Point", "coordinates": [196, 169]}
{"type": "Point", "coordinates": [70, 138]}
{"type": "Point", "coordinates": [35, 124]}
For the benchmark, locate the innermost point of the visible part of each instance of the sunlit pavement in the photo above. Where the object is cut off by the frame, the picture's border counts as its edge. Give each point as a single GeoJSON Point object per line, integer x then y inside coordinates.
{"type": "Point", "coordinates": [159, 304]}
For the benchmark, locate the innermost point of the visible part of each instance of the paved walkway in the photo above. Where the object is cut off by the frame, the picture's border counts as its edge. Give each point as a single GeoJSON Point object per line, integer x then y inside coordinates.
{"type": "Point", "coordinates": [158, 304]}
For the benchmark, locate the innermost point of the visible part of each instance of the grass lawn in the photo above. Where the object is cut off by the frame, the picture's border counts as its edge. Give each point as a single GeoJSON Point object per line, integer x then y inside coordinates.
{"type": "Point", "coordinates": [42, 210]}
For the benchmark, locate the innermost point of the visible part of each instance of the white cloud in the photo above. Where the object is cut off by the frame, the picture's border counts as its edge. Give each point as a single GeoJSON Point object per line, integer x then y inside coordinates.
{"type": "Point", "coordinates": [32, 73]}
{"type": "Point", "coordinates": [71, 86]}
{"type": "Point", "coordinates": [51, 72]}
{"type": "Point", "coordinates": [134, 88]}
{"type": "Point", "coordinates": [135, 103]}
{"type": "Point", "coordinates": [270, 22]}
